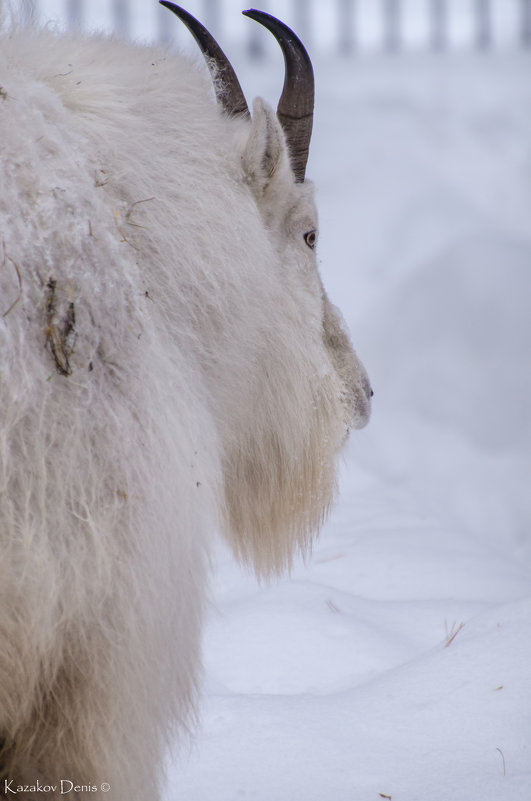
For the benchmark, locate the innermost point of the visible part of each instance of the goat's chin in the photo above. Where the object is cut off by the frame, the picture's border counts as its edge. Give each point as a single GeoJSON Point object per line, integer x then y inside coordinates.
{"type": "Point", "coordinates": [360, 422]}
{"type": "Point", "coordinates": [362, 418]}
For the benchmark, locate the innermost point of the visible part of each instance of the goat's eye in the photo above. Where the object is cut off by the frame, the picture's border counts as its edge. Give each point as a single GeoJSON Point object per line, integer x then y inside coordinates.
{"type": "Point", "coordinates": [310, 238]}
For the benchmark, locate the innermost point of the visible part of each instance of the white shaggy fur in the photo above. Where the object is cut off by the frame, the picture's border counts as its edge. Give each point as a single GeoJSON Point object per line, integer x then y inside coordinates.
{"type": "Point", "coordinates": [169, 366]}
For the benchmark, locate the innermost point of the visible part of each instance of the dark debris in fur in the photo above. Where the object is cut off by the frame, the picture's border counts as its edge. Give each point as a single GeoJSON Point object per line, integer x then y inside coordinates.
{"type": "Point", "coordinates": [61, 334]}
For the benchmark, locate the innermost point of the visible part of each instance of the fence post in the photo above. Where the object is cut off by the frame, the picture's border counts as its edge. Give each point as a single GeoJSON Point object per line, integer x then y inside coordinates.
{"type": "Point", "coordinates": [301, 26]}
{"type": "Point", "coordinates": [256, 43]}
{"type": "Point", "coordinates": [525, 23]}
{"type": "Point", "coordinates": [392, 11]}
{"type": "Point", "coordinates": [28, 11]}
{"type": "Point", "coordinates": [120, 17]}
{"type": "Point", "coordinates": [439, 21]}
{"type": "Point", "coordinates": [484, 31]}
{"type": "Point", "coordinates": [74, 13]}
{"type": "Point", "coordinates": [165, 35]}
{"type": "Point", "coordinates": [211, 14]}
{"type": "Point", "coordinates": [347, 34]}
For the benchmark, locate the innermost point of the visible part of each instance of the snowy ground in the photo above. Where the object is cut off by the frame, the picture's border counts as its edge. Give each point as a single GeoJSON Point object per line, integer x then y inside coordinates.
{"type": "Point", "coordinates": [344, 682]}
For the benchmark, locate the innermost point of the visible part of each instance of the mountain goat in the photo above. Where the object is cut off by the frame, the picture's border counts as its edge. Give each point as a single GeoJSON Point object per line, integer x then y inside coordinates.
{"type": "Point", "coordinates": [170, 366]}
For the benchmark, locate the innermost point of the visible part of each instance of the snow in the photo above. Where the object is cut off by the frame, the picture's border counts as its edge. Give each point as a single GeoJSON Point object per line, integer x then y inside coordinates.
{"type": "Point", "coordinates": [396, 660]}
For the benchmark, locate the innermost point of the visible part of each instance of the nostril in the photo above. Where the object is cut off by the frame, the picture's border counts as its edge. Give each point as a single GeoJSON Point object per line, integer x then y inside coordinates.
{"type": "Point", "coordinates": [372, 393]}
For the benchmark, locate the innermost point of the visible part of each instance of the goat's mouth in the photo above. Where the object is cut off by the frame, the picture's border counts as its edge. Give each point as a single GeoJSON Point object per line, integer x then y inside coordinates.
{"type": "Point", "coordinates": [360, 406]}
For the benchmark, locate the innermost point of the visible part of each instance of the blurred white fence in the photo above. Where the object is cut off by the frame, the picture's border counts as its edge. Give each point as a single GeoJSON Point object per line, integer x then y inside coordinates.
{"type": "Point", "coordinates": [338, 25]}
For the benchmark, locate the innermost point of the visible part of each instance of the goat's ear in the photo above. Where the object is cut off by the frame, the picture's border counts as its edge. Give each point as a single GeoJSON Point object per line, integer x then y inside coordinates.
{"type": "Point", "coordinates": [265, 156]}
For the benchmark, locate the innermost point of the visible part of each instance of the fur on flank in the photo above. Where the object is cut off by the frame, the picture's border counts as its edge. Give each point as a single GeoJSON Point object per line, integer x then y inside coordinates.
{"type": "Point", "coordinates": [170, 366]}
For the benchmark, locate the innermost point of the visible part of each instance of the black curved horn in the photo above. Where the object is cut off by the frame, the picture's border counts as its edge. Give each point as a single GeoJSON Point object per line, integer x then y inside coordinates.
{"type": "Point", "coordinates": [295, 107]}
{"type": "Point", "coordinates": [229, 93]}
